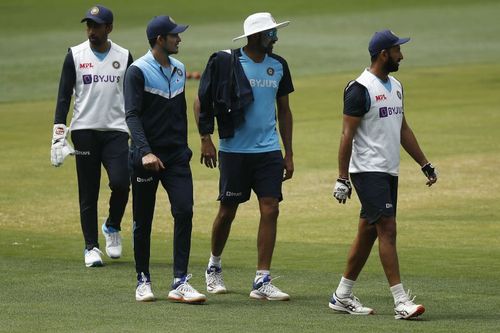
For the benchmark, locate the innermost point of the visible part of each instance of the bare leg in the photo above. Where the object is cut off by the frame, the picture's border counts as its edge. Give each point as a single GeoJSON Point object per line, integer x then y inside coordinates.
{"type": "Point", "coordinates": [386, 231]}
{"type": "Point", "coordinates": [266, 238]}
{"type": "Point", "coordinates": [222, 227]}
{"type": "Point", "coordinates": [360, 249]}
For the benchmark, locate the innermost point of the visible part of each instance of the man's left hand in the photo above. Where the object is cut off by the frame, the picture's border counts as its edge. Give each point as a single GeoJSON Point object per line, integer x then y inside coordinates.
{"type": "Point", "coordinates": [431, 173]}
{"type": "Point", "coordinates": [288, 167]}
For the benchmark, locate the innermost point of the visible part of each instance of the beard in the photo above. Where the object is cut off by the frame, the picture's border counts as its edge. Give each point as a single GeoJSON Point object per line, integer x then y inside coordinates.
{"type": "Point", "coordinates": [391, 66]}
{"type": "Point", "coordinates": [266, 45]}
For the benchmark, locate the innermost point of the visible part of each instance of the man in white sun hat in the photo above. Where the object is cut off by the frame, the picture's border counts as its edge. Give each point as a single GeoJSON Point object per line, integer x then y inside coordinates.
{"type": "Point", "coordinates": [241, 89]}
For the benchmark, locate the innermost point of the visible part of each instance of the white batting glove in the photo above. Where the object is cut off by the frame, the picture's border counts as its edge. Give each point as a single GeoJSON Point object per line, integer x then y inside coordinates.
{"type": "Point", "coordinates": [342, 190]}
{"type": "Point", "coordinates": [60, 148]}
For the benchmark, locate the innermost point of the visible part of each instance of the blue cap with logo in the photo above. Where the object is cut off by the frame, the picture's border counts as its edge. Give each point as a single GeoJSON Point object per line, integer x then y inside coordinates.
{"type": "Point", "coordinates": [99, 14]}
{"type": "Point", "coordinates": [163, 25]}
{"type": "Point", "coordinates": [384, 39]}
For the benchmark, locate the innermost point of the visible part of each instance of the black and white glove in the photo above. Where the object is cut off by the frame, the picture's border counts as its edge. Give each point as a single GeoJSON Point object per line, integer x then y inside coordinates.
{"type": "Point", "coordinates": [60, 148]}
{"type": "Point", "coordinates": [431, 173]}
{"type": "Point", "coordinates": [342, 190]}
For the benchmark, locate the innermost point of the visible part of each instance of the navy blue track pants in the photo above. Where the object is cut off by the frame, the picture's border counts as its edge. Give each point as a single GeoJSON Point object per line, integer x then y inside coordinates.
{"type": "Point", "coordinates": [93, 148]}
{"type": "Point", "coordinates": [177, 180]}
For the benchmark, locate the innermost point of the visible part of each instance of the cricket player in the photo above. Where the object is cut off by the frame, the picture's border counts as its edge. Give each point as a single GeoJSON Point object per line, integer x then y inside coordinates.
{"type": "Point", "coordinates": [93, 72]}
{"type": "Point", "coordinates": [374, 128]}
{"type": "Point", "coordinates": [155, 104]}
{"type": "Point", "coordinates": [247, 91]}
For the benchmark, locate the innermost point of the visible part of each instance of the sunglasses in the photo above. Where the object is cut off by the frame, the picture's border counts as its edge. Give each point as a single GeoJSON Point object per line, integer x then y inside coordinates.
{"type": "Point", "coordinates": [273, 33]}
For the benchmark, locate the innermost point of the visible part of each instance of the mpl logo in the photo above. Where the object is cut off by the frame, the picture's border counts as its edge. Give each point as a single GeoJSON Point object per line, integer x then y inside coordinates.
{"type": "Point", "coordinates": [86, 65]}
{"type": "Point", "coordinates": [380, 98]}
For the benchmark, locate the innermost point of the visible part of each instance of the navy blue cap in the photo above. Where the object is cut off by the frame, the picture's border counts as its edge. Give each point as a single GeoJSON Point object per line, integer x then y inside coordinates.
{"type": "Point", "coordinates": [99, 14]}
{"type": "Point", "coordinates": [163, 25]}
{"type": "Point", "coordinates": [385, 39]}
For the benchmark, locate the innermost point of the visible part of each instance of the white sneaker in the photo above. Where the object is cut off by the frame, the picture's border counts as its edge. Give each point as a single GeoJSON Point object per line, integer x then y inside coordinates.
{"type": "Point", "coordinates": [113, 242]}
{"type": "Point", "coordinates": [93, 257]}
{"type": "Point", "coordinates": [350, 304]}
{"type": "Point", "coordinates": [407, 309]}
{"type": "Point", "coordinates": [264, 289]}
{"type": "Point", "coordinates": [214, 280]}
{"type": "Point", "coordinates": [143, 291]}
{"type": "Point", "coordinates": [182, 291]}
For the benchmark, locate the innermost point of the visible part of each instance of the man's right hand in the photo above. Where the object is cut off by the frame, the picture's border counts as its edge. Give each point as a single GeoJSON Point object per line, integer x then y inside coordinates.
{"type": "Point", "coordinates": [152, 163]}
{"type": "Point", "coordinates": [60, 147]}
{"type": "Point", "coordinates": [208, 152]}
{"type": "Point", "coordinates": [342, 190]}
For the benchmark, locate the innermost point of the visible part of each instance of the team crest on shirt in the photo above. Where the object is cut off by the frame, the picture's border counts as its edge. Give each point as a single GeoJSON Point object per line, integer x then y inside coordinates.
{"type": "Point", "coordinates": [270, 71]}
{"type": "Point", "coordinates": [179, 72]}
{"type": "Point", "coordinates": [399, 94]}
{"type": "Point", "coordinates": [116, 64]}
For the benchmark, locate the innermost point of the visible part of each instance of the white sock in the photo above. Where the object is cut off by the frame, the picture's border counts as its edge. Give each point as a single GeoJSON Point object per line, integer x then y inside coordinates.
{"type": "Point", "coordinates": [345, 288]}
{"type": "Point", "coordinates": [261, 273]}
{"type": "Point", "coordinates": [214, 261]}
{"type": "Point", "coordinates": [398, 293]}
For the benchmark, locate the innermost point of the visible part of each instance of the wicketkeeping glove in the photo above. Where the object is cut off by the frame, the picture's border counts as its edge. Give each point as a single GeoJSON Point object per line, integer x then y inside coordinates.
{"type": "Point", "coordinates": [342, 190]}
{"type": "Point", "coordinates": [60, 148]}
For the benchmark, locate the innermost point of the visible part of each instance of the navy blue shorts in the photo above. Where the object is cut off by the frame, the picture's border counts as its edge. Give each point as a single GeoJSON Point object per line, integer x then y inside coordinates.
{"type": "Point", "coordinates": [242, 172]}
{"type": "Point", "coordinates": [378, 194]}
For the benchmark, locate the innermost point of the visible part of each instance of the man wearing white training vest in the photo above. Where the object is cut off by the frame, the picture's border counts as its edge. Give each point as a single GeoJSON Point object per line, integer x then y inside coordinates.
{"type": "Point", "coordinates": [374, 127]}
{"type": "Point", "coordinates": [93, 71]}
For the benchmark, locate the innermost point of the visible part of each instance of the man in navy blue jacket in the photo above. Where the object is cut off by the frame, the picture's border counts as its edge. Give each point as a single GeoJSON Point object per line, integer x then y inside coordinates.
{"type": "Point", "coordinates": [155, 106]}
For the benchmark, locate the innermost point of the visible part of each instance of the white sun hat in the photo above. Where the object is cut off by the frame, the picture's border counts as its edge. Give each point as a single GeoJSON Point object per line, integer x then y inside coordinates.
{"type": "Point", "coordinates": [259, 22]}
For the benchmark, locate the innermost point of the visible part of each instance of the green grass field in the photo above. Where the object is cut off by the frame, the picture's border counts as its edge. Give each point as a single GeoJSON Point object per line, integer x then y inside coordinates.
{"type": "Point", "coordinates": [448, 235]}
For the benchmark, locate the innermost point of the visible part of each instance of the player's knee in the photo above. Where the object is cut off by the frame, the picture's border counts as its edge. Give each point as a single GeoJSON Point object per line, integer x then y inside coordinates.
{"type": "Point", "coordinates": [120, 185]}
{"type": "Point", "coordinates": [226, 215]}
{"type": "Point", "coordinates": [270, 209]}
{"type": "Point", "coordinates": [182, 213]}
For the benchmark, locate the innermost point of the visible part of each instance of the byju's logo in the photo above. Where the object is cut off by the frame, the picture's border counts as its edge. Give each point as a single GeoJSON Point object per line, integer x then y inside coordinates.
{"type": "Point", "coordinates": [233, 194]}
{"type": "Point", "coordinates": [382, 112]}
{"type": "Point", "coordinates": [87, 79]}
{"type": "Point", "coordinates": [263, 83]}
{"type": "Point", "coordinates": [389, 111]}
{"type": "Point", "coordinates": [144, 180]}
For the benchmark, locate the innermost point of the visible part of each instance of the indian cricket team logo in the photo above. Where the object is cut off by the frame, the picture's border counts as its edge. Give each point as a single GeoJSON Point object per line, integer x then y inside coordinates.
{"type": "Point", "coordinates": [270, 71]}
{"type": "Point", "coordinates": [94, 10]}
{"type": "Point", "coordinates": [116, 64]}
{"type": "Point", "coordinates": [179, 72]}
{"type": "Point", "coordinates": [399, 94]}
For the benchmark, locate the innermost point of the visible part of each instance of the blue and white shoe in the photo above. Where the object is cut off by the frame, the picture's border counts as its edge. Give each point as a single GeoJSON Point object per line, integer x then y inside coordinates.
{"type": "Point", "coordinates": [350, 304]}
{"type": "Point", "coordinates": [215, 281]}
{"type": "Point", "coordinates": [183, 292]}
{"type": "Point", "coordinates": [264, 289]}
{"type": "Point", "coordinates": [93, 257]}
{"type": "Point", "coordinates": [143, 291]}
{"type": "Point", "coordinates": [113, 242]}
